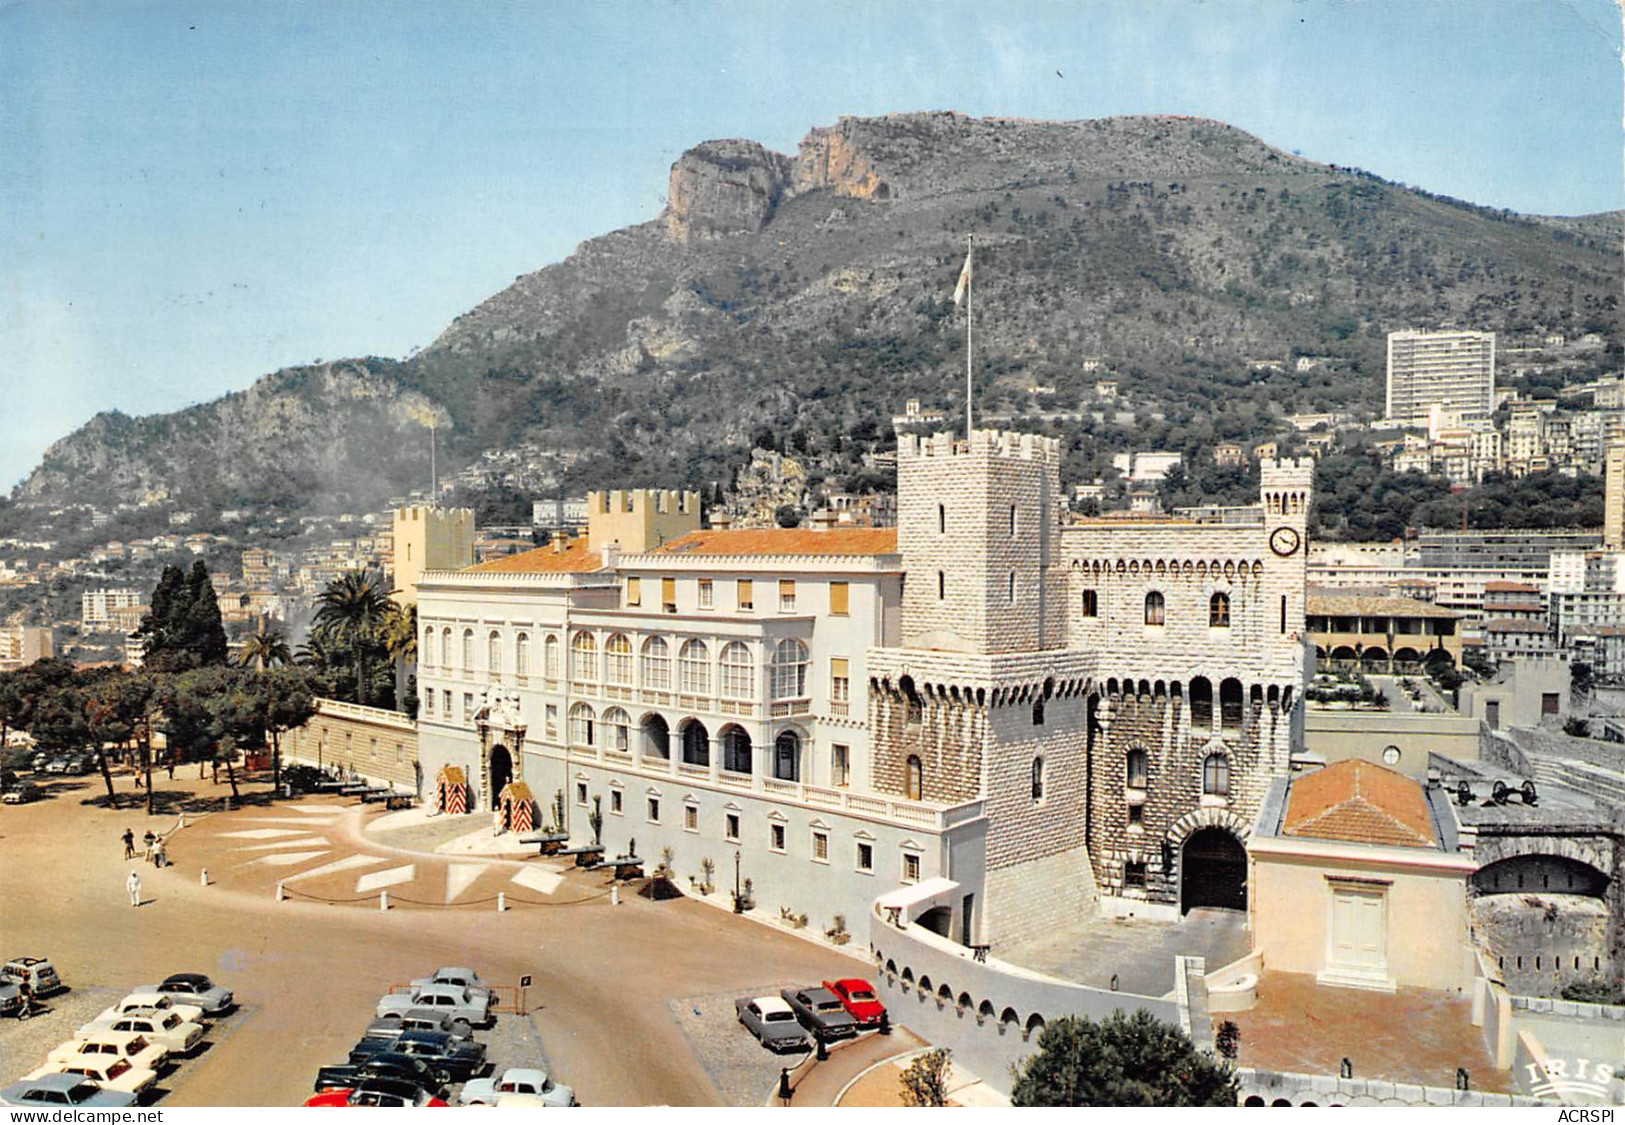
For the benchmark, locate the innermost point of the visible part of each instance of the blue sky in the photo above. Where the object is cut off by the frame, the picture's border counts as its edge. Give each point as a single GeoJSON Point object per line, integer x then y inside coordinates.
{"type": "Point", "coordinates": [195, 194]}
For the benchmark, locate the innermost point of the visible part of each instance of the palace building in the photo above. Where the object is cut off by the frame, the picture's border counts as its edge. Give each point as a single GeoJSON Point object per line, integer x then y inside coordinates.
{"type": "Point", "coordinates": [1025, 715]}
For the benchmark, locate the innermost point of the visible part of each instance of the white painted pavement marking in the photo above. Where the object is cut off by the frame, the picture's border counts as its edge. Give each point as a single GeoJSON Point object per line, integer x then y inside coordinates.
{"type": "Point", "coordinates": [303, 822]}
{"type": "Point", "coordinates": [297, 842]}
{"type": "Point", "coordinates": [461, 876]}
{"type": "Point", "coordinates": [263, 833]}
{"type": "Point", "coordinates": [538, 879]}
{"type": "Point", "coordinates": [289, 859]}
{"type": "Point", "coordinates": [317, 810]}
{"type": "Point", "coordinates": [377, 880]}
{"type": "Point", "coordinates": [348, 863]}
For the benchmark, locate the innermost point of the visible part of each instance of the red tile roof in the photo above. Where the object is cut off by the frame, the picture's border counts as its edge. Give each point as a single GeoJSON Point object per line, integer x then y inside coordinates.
{"type": "Point", "coordinates": [574, 559]}
{"type": "Point", "coordinates": [854, 541]}
{"type": "Point", "coordinates": [1359, 802]}
{"type": "Point", "coordinates": [1510, 588]}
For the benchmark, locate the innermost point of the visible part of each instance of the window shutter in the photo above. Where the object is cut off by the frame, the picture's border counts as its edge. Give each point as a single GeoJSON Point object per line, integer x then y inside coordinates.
{"type": "Point", "coordinates": [634, 591]}
{"type": "Point", "coordinates": [668, 591]}
{"type": "Point", "coordinates": [839, 598]}
{"type": "Point", "coordinates": [837, 667]}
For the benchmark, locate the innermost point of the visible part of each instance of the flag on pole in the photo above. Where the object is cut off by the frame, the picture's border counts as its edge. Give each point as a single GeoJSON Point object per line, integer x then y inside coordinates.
{"type": "Point", "coordinates": [964, 280]}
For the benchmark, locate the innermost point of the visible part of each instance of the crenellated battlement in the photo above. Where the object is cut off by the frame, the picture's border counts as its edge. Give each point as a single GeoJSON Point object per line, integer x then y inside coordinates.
{"type": "Point", "coordinates": [664, 501]}
{"type": "Point", "coordinates": [1009, 444]}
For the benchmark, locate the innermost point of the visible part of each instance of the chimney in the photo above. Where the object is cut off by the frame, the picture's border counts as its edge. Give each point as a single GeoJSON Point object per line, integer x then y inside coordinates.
{"type": "Point", "coordinates": [612, 555]}
{"type": "Point", "coordinates": [721, 521]}
{"type": "Point", "coordinates": [558, 543]}
{"type": "Point", "coordinates": [821, 520]}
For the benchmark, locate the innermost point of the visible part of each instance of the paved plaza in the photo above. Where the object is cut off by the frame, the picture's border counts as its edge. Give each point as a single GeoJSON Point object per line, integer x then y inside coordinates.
{"type": "Point", "coordinates": [1137, 953]}
{"type": "Point", "coordinates": [309, 970]}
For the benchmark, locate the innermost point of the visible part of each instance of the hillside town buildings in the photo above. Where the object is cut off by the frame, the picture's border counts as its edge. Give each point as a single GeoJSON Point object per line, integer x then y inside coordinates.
{"type": "Point", "coordinates": [1452, 370]}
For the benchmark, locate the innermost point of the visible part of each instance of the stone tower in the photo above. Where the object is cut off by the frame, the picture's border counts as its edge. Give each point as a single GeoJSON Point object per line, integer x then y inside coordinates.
{"type": "Point", "coordinates": [429, 538]}
{"type": "Point", "coordinates": [976, 529]}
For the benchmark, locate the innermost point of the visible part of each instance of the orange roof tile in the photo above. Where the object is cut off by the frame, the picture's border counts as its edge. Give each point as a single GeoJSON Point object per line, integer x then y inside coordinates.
{"type": "Point", "coordinates": [847, 541]}
{"type": "Point", "coordinates": [574, 559]}
{"type": "Point", "coordinates": [1359, 802]}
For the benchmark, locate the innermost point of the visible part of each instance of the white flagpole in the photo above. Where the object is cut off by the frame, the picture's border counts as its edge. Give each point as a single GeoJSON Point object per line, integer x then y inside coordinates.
{"type": "Point", "coordinates": [970, 285]}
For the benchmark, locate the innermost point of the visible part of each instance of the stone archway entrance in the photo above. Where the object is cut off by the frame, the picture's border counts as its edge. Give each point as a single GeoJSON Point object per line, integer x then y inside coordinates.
{"type": "Point", "coordinates": [1212, 871]}
{"type": "Point", "coordinates": [500, 773]}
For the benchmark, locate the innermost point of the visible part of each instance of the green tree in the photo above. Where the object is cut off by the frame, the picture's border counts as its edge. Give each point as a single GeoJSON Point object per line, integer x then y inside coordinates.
{"type": "Point", "coordinates": [264, 647]}
{"type": "Point", "coordinates": [349, 612]}
{"type": "Point", "coordinates": [184, 629]}
{"type": "Point", "coordinates": [1124, 1060]}
{"type": "Point", "coordinates": [288, 695]}
{"type": "Point", "coordinates": [399, 635]}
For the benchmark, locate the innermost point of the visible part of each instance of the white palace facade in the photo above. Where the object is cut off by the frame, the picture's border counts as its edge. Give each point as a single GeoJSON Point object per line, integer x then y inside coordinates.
{"type": "Point", "coordinates": [1025, 715]}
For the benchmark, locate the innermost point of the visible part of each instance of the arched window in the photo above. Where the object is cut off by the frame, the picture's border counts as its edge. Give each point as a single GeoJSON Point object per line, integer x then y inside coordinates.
{"type": "Point", "coordinates": [1218, 611]}
{"type": "Point", "coordinates": [618, 660]}
{"type": "Point", "coordinates": [790, 670]}
{"type": "Point", "coordinates": [550, 657]}
{"type": "Point", "coordinates": [445, 646]}
{"type": "Point", "coordinates": [1202, 703]}
{"type": "Point", "coordinates": [616, 724]}
{"type": "Point", "coordinates": [914, 773]}
{"type": "Point", "coordinates": [493, 653]}
{"type": "Point", "coordinates": [468, 650]}
{"type": "Point", "coordinates": [428, 648]}
{"type": "Point", "coordinates": [737, 750]}
{"type": "Point", "coordinates": [521, 654]}
{"type": "Point", "coordinates": [696, 743]}
{"type": "Point", "coordinates": [942, 520]}
{"type": "Point", "coordinates": [787, 756]}
{"type": "Point", "coordinates": [582, 722]}
{"type": "Point", "coordinates": [1232, 704]}
{"type": "Point", "coordinates": [656, 664]}
{"type": "Point", "coordinates": [1038, 779]}
{"type": "Point", "coordinates": [583, 657]}
{"type": "Point", "coordinates": [694, 668]}
{"type": "Point", "coordinates": [738, 671]}
{"type": "Point", "coordinates": [1138, 769]}
{"type": "Point", "coordinates": [1155, 608]}
{"type": "Point", "coordinates": [1216, 775]}
{"type": "Point", "coordinates": [656, 737]}
{"type": "Point", "coordinates": [913, 707]}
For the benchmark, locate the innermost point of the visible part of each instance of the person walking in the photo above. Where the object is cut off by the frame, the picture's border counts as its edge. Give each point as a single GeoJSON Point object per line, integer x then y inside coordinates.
{"type": "Point", "coordinates": [133, 885]}
{"type": "Point", "coordinates": [147, 844]}
{"type": "Point", "coordinates": [129, 844]}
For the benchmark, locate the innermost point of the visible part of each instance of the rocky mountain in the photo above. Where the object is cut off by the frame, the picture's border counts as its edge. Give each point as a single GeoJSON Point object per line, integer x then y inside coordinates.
{"type": "Point", "coordinates": [806, 296]}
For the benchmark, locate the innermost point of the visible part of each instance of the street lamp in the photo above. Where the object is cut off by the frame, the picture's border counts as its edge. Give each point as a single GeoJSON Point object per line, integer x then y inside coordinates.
{"type": "Point", "coordinates": [739, 903]}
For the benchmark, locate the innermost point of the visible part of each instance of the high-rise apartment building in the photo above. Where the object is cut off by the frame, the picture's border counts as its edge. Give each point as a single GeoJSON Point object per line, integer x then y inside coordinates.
{"type": "Point", "coordinates": [1453, 370]}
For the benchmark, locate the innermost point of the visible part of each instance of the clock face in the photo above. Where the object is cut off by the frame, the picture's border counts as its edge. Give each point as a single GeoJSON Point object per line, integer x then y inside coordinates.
{"type": "Point", "coordinates": [1284, 541]}
{"type": "Point", "coordinates": [1390, 756]}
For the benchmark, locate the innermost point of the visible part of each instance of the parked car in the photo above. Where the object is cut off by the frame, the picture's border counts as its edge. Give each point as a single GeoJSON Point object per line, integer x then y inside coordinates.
{"type": "Point", "coordinates": [39, 762]}
{"type": "Point", "coordinates": [11, 1000]}
{"type": "Point", "coordinates": [517, 1080]}
{"type": "Point", "coordinates": [36, 972]}
{"type": "Point", "coordinates": [113, 1045]}
{"type": "Point", "coordinates": [448, 999]}
{"type": "Point", "coordinates": [20, 793]}
{"type": "Point", "coordinates": [385, 1092]}
{"type": "Point", "coordinates": [459, 1058]}
{"type": "Point", "coordinates": [821, 1012]}
{"type": "Point", "coordinates": [107, 1072]}
{"type": "Point", "coordinates": [162, 1026]}
{"type": "Point", "coordinates": [467, 978]}
{"type": "Point", "coordinates": [149, 1000]}
{"type": "Point", "coordinates": [420, 1019]}
{"type": "Point", "coordinates": [52, 1091]}
{"type": "Point", "coordinates": [382, 1064]}
{"type": "Point", "coordinates": [194, 988]}
{"type": "Point", "coordinates": [57, 766]}
{"type": "Point", "coordinates": [772, 1021]}
{"type": "Point", "coordinates": [858, 997]}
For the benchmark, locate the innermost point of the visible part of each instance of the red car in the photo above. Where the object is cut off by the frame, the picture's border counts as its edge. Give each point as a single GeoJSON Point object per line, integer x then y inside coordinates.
{"type": "Point", "coordinates": [377, 1092]}
{"type": "Point", "coordinates": [858, 998]}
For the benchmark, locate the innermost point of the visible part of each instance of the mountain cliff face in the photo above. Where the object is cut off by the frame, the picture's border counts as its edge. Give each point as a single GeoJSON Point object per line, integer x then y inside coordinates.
{"type": "Point", "coordinates": [809, 294]}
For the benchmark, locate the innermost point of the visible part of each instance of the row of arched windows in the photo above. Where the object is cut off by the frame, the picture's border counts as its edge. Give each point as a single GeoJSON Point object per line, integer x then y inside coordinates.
{"type": "Point", "coordinates": [612, 731]}
{"type": "Point", "coordinates": [1156, 609]}
{"type": "Point", "coordinates": [733, 672]}
{"type": "Point", "coordinates": [1137, 773]}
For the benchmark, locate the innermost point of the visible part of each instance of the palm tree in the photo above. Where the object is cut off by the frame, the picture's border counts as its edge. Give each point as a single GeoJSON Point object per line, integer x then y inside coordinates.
{"type": "Point", "coordinates": [264, 647]}
{"type": "Point", "coordinates": [400, 639]}
{"type": "Point", "coordinates": [350, 609]}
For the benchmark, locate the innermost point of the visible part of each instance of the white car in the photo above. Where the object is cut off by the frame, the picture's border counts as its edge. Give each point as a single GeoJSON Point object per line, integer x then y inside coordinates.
{"type": "Point", "coordinates": [105, 1046]}
{"type": "Point", "coordinates": [162, 1026]}
{"type": "Point", "coordinates": [157, 1001]}
{"type": "Point", "coordinates": [453, 975]}
{"type": "Point", "coordinates": [516, 1082]}
{"type": "Point", "coordinates": [108, 1073]}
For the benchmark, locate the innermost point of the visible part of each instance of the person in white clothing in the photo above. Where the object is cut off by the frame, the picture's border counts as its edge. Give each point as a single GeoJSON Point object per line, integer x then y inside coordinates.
{"type": "Point", "coordinates": [133, 883]}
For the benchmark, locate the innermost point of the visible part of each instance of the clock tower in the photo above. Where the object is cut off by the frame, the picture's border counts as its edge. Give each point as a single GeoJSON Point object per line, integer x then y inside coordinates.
{"type": "Point", "coordinates": [1286, 486]}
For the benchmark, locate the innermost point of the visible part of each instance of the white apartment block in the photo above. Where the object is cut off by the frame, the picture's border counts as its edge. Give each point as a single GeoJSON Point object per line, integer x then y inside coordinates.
{"type": "Point", "coordinates": [1037, 718]}
{"type": "Point", "coordinates": [1452, 370]}
{"type": "Point", "coordinates": [21, 645]}
{"type": "Point", "coordinates": [97, 606]}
